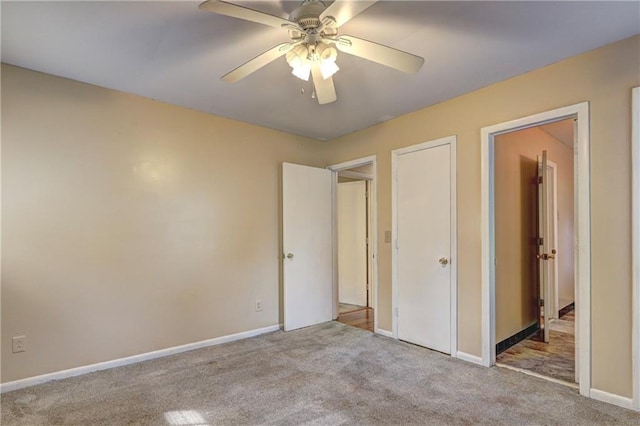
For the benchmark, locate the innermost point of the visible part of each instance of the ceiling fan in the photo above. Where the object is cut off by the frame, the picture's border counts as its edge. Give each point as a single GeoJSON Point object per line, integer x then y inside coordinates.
{"type": "Point", "coordinates": [313, 29]}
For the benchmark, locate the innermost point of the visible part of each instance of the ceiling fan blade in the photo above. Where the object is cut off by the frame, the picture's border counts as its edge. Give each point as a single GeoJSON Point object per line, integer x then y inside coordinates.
{"type": "Point", "coordinates": [344, 10]}
{"type": "Point", "coordinates": [325, 90]}
{"type": "Point", "coordinates": [385, 55]}
{"type": "Point", "coordinates": [258, 62]}
{"type": "Point", "coordinates": [241, 12]}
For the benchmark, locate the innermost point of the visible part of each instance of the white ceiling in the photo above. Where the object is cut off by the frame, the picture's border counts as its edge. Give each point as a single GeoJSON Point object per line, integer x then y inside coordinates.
{"type": "Point", "coordinates": [174, 52]}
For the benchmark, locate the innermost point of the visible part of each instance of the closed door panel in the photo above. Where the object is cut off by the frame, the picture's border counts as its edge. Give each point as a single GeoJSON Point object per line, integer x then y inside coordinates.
{"type": "Point", "coordinates": [307, 243]}
{"type": "Point", "coordinates": [424, 246]}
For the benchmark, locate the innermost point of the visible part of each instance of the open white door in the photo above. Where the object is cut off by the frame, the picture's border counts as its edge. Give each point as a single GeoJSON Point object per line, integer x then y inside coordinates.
{"type": "Point", "coordinates": [544, 245]}
{"type": "Point", "coordinates": [307, 244]}
{"type": "Point", "coordinates": [552, 229]}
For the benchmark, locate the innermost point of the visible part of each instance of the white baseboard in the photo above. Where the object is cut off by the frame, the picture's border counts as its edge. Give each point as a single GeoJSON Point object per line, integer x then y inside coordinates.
{"type": "Point", "coordinates": [611, 398]}
{"type": "Point", "coordinates": [469, 358]}
{"type": "Point", "coordinates": [36, 380]}
{"type": "Point", "coordinates": [539, 376]}
{"type": "Point", "coordinates": [384, 333]}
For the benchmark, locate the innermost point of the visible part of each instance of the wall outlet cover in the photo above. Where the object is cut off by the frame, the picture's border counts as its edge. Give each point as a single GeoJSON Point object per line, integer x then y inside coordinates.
{"type": "Point", "coordinates": [18, 344]}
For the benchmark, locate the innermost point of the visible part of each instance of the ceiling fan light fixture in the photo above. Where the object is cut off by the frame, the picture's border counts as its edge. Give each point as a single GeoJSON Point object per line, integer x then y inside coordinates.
{"type": "Point", "coordinates": [313, 29]}
{"type": "Point", "coordinates": [328, 68]}
{"type": "Point", "coordinates": [297, 60]}
{"type": "Point", "coordinates": [302, 70]}
{"type": "Point", "coordinates": [327, 56]}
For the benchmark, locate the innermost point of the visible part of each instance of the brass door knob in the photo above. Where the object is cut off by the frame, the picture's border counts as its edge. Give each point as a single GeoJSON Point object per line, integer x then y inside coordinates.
{"type": "Point", "coordinates": [443, 261]}
{"type": "Point", "coordinates": [289, 255]}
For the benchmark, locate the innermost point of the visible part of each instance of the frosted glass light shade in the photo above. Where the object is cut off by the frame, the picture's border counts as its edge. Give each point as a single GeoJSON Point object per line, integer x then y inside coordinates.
{"type": "Point", "coordinates": [302, 70]}
{"type": "Point", "coordinates": [328, 68]}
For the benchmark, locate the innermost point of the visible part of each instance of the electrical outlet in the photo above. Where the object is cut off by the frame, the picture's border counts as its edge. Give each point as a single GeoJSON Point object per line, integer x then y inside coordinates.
{"type": "Point", "coordinates": [258, 305]}
{"type": "Point", "coordinates": [19, 344]}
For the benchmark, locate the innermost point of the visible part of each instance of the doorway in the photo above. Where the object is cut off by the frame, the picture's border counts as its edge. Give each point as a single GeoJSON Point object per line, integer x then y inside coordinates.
{"type": "Point", "coordinates": [424, 263]}
{"type": "Point", "coordinates": [354, 243]}
{"type": "Point", "coordinates": [534, 236]}
{"type": "Point", "coordinates": [310, 243]}
{"type": "Point", "coordinates": [581, 230]}
{"type": "Point", "coordinates": [310, 292]}
{"type": "Point", "coordinates": [353, 229]}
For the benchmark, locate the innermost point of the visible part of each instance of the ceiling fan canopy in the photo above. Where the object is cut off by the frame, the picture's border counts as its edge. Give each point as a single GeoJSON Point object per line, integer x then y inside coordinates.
{"type": "Point", "coordinates": [315, 42]}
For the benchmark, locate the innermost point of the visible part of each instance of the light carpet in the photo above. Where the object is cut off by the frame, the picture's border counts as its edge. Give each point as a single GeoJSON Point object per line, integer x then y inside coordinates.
{"type": "Point", "coordinates": [323, 375]}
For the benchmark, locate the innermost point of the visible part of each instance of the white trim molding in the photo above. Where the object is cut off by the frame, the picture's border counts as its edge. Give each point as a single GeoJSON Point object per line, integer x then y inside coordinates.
{"type": "Point", "coordinates": [78, 371]}
{"type": "Point", "coordinates": [582, 228]}
{"type": "Point", "coordinates": [612, 398]}
{"type": "Point", "coordinates": [384, 333]}
{"type": "Point", "coordinates": [554, 299]}
{"type": "Point", "coordinates": [469, 358]}
{"type": "Point", "coordinates": [353, 163]}
{"type": "Point", "coordinates": [355, 175]}
{"type": "Point", "coordinates": [373, 200]}
{"type": "Point", "coordinates": [635, 244]}
{"type": "Point", "coordinates": [452, 141]}
{"type": "Point", "coordinates": [539, 376]}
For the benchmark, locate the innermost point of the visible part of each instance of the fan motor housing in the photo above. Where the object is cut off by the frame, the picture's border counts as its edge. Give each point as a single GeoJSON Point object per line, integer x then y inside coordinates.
{"type": "Point", "coordinates": [308, 14]}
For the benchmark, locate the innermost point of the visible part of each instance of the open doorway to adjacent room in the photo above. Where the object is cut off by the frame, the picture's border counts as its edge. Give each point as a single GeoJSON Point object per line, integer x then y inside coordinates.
{"type": "Point", "coordinates": [354, 245]}
{"type": "Point", "coordinates": [534, 247]}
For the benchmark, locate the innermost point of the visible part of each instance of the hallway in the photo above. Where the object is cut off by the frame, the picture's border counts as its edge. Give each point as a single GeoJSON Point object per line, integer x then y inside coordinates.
{"type": "Point", "coordinates": [362, 318]}
{"type": "Point", "coordinates": [555, 359]}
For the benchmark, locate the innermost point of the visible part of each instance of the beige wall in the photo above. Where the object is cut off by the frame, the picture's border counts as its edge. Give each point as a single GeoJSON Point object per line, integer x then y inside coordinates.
{"type": "Point", "coordinates": [129, 225]}
{"type": "Point", "coordinates": [604, 77]}
{"type": "Point", "coordinates": [516, 227]}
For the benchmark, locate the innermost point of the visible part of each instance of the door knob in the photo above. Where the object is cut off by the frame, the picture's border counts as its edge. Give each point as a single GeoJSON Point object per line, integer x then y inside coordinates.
{"type": "Point", "coordinates": [545, 256]}
{"type": "Point", "coordinates": [443, 261]}
{"type": "Point", "coordinates": [289, 255]}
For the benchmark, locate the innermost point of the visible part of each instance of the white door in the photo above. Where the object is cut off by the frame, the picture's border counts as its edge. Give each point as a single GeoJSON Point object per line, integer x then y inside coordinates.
{"type": "Point", "coordinates": [352, 243]}
{"type": "Point", "coordinates": [544, 249]}
{"type": "Point", "coordinates": [545, 255]}
{"type": "Point", "coordinates": [423, 204]}
{"type": "Point", "coordinates": [552, 229]}
{"type": "Point", "coordinates": [307, 245]}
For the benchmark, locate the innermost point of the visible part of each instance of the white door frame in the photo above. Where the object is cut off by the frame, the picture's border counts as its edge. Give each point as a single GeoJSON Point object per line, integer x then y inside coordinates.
{"type": "Point", "coordinates": [453, 262]}
{"type": "Point", "coordinates": [635, 244]}
{"type": "Point", "coordinates": [553, 222]}
{"type": "Point", "coordinates": [582, 232]}
{"type": "Point", "coordinates": [373, 241]}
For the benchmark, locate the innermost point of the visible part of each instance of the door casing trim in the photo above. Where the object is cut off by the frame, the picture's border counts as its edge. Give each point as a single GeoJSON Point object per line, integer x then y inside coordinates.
{"type": "Point", "coordinates": [582, 232]}
{"type": "Point", "coordinates": [635, 245]}
{"type": "Point", "coordinates": [555, 300]}
{"type": "Point", "coordinates": [373, 178]}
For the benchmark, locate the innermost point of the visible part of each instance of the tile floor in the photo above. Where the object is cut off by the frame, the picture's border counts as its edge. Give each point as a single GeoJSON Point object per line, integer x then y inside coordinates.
{"type": "Point", "coordinates": [555, 359]}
